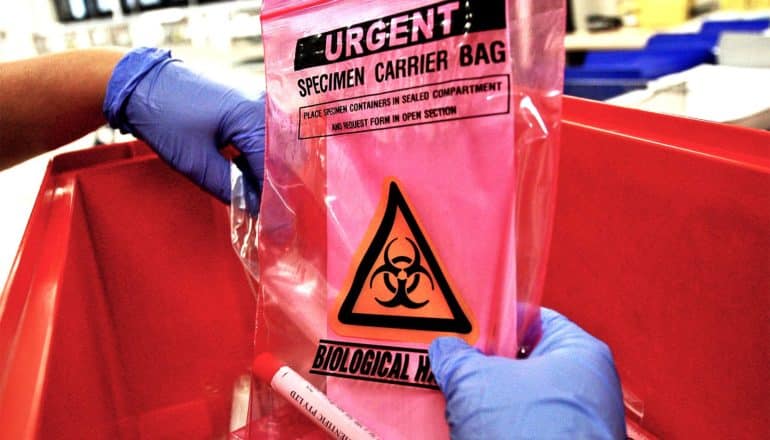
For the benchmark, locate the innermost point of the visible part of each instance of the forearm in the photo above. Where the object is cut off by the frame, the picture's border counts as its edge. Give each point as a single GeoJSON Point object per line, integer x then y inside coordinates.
{"type": "Point", "coordinates": [49, 101]}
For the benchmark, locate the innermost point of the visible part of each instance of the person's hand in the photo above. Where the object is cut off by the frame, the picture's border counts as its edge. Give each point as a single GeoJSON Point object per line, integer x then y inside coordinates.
{"type": "Point", "coordinates": [187, 118]}
{"type": "Point", "coordinates": [567, 388]}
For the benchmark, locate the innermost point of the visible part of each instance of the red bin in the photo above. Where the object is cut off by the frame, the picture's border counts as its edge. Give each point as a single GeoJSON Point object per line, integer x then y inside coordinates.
{"type": "Point", "coordinates": [661, 248]}
{"type": "Point", "coordinates": [128, 315]}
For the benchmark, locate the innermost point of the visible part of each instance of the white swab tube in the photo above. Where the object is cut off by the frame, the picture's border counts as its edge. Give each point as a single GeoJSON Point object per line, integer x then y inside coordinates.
{"type": "Point", "coordinates": [308, 399]}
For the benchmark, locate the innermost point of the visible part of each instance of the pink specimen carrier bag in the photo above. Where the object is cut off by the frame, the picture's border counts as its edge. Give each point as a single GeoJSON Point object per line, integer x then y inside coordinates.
{"type": "Point", "coordinates": [411, 164]}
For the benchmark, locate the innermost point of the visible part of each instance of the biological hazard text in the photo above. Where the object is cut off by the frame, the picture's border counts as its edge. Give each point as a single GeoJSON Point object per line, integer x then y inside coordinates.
{"type": "Point", "coordinates": [374, 363]}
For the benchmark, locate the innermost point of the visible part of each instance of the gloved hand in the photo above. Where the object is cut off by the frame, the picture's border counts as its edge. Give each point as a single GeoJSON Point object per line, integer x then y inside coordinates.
{"type": "Point", "coordinates": [186, 118]}
{"type": "Point", "coordinates": [567, 388]}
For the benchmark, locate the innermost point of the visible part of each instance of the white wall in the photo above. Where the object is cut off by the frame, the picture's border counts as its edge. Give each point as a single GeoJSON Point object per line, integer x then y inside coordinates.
{"type": "Point", "coordinates": [27, 13]}
{"type": "Point", "coordinates": [27, 21]}
{"type": "Point", "coordinates": [19, 20]}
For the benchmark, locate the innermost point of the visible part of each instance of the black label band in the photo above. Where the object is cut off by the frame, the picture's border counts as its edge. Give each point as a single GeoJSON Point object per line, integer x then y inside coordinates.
{"type": "Point", "coordinates": [374, 363]}
{"type": "Point", "coordinates": [416, 26]}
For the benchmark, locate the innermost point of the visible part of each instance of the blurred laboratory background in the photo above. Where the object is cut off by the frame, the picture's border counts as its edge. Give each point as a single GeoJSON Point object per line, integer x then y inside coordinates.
{"type": "Point", "coordinates": [222, 37]}
{"type": "Point", "coordinates": [705, 59]}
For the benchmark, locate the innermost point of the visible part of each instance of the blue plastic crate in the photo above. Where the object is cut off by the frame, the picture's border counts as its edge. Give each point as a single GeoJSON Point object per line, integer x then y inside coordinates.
{"type": "Point", "coordinates": [601, 89]}
{"type": "Point", "coordinates": [607, 74]}
{"type": "Point", "coordinates": [702, 43]}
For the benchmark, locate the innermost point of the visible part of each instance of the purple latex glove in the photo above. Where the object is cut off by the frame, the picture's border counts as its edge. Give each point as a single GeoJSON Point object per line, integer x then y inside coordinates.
{"type": "Point", "coordinates": [187, 118]}
{"type": "Point", "coordinates": [568, 387]}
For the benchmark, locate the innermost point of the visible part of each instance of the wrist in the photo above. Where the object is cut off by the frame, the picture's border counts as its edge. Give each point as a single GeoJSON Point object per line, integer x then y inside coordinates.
{"type": "Point", "coordinates": [128, 73]}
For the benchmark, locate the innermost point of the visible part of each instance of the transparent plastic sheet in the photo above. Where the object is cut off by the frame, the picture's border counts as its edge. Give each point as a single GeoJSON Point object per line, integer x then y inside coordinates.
{"type": "Point", "coordinates": [537, 60]}
{"type": "Point", "coordinates": [357, 209]}
{"type": "Point", "coordinates": [243, 226]}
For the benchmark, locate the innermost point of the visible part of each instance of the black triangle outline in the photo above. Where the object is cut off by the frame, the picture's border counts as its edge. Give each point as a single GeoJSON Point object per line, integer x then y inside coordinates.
{"type": "Point", "coordinates": [459, 323]}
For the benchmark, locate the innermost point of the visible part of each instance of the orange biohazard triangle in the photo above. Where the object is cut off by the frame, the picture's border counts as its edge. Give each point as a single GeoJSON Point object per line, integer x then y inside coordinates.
{"type": "Point", "coordinates": [397, 288]}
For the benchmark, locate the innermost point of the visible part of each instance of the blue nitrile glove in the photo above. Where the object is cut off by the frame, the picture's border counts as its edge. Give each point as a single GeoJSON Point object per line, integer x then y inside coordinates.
{"type": "Point", "coordinates": [567, 389]}
{"type": "Point", "coordinates": [186, 118]}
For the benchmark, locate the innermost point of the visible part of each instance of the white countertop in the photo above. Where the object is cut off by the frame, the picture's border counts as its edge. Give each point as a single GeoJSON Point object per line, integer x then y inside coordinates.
{"type": "Point", "coordinates": [620, 39]}
{"type": "Point", "coordinates": [725, 94]}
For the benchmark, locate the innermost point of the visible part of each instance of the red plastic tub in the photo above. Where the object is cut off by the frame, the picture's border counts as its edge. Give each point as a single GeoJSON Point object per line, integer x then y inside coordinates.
{"type": "Point", "coordinates": [127, 314]}
{"type": "Point", "coordinates": [661, 248]}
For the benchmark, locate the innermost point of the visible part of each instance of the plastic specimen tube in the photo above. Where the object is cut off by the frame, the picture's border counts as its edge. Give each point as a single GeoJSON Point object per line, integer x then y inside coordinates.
{"type": "Point", "coordinates": [308, 399]}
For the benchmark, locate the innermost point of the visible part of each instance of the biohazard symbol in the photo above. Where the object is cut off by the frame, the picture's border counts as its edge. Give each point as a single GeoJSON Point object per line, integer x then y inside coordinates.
{"type": "Point", "coordinates": [396, 288]}
{"type": "Point", "coordinates": [403, 274]}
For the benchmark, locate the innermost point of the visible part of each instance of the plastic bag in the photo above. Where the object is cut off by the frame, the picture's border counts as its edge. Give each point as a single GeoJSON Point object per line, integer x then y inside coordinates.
{"type": "Point", "coordinates": [409, 188]}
